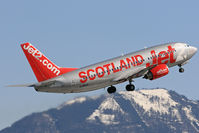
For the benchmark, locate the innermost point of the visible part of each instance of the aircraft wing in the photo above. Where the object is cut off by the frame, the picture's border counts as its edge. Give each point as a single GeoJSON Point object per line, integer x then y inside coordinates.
{"type": "Point", "coordinates": [133, 73]}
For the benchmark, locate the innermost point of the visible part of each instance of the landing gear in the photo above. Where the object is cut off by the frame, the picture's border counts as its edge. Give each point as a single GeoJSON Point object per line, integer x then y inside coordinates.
{"type": "Point", "coordinates": [130, 86]}
{"type": "Point", "coordinates": [181, 70]}
{"type": "Point", "coordinates": [111, 89]}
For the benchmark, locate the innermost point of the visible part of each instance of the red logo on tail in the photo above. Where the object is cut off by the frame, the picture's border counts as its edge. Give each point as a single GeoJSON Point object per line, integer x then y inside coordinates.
{"type": "Point", "coordinates": [42, 67]}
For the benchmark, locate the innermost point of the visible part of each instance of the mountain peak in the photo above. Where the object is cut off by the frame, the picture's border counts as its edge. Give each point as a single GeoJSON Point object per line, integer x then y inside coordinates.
{"type": "Point", "coordinates": [101, 112]}
{"type": "Point", "coordinates": [158, 100]}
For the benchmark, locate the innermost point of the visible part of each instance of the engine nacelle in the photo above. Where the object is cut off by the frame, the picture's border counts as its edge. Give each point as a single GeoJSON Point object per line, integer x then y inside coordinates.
{"type": "Point", "coordinates": [157, 72]}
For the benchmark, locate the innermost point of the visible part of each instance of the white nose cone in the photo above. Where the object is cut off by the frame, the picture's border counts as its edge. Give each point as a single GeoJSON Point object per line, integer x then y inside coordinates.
{"type": "Point", "coordinates": [193, 50]}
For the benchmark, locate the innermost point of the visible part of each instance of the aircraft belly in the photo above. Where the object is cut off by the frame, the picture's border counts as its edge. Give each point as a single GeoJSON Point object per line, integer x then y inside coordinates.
{"type": "Point", "coordinates": [77, 87]}
{"type": "Point", "coordinates": [92, 85]}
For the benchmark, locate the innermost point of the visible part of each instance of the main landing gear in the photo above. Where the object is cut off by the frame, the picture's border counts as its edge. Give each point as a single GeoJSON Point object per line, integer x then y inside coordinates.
{"type": "Point", "coordinates": [111, 89]}
{"type": "Point", "coordinates": [181, 70]}
{"type": "Point", "coordinates": [129, 87]}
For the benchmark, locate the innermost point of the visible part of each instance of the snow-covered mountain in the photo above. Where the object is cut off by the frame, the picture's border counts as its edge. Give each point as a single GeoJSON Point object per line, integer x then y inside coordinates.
{"type": "Point", "coordinates": [141, 111]}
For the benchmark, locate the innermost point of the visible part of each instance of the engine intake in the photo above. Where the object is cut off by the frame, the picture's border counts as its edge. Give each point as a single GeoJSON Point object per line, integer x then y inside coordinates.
{"type": "Point", "coordinates": [157, 72]}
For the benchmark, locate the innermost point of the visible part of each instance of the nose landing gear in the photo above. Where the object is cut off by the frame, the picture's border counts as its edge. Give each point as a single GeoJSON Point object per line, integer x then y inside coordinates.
{"type": "Point", "coordinates": [181, 70]}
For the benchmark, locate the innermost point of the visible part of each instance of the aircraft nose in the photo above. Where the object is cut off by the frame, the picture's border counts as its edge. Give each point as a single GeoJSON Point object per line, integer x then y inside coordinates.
{"type": "Point", "coordinates": [193, 50]}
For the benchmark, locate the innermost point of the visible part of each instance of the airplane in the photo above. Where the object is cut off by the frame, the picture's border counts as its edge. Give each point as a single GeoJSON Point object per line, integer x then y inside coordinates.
{"type": "Point", "coordinates": [150, 63]}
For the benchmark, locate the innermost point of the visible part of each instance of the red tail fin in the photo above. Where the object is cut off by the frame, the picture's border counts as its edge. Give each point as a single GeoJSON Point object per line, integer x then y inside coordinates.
{"type": "Point", "coordinates": [42, 67]}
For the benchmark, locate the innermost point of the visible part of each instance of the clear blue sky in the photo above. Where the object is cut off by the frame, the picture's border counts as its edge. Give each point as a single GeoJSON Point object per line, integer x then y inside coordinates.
{"type": "Point", "coordinates": [76, 33]}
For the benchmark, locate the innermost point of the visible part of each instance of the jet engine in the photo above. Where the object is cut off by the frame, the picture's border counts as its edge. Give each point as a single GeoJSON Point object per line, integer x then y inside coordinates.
{"type": "Point", "coordinates": [157, 72]}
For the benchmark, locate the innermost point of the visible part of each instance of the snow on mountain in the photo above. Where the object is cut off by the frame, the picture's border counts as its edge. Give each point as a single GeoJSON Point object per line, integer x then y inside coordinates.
{"type": "Point", "coordinates": [143, 111]}
{"type": "Point", "coordinates": [157, 100]}
{"type": "Point", "coordinates": [192, 119]}
{"type": "Point", "coordinates": [70, 102]}
{"type": "Point", "coordinates": [107, 119]}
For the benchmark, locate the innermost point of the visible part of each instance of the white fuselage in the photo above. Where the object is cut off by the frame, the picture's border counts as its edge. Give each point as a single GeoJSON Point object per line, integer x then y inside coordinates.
{"type": "Point", "coordinates": [119, 69]}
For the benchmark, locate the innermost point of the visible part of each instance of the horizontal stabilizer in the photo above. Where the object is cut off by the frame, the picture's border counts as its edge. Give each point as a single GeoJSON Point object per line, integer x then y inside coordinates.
{"type": "Point", "coordinates": [22, 85]}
